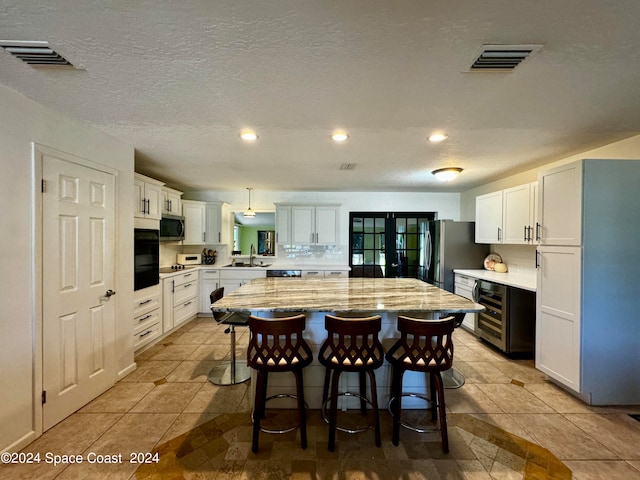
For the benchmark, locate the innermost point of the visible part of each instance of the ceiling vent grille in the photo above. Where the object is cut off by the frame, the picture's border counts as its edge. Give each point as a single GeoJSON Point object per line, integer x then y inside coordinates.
{"type": "Point", "coordinates": [35, 53]}
{"type": "Point", "coordinates": [502, 58]}
{"type": "Point", "coordinates": [348, 166]}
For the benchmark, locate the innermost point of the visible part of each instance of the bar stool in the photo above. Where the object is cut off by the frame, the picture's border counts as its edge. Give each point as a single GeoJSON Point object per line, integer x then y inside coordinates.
{"type": "Point", "coordinates": [424, 346]}
{"type": "Point", "coordinates": [229, 372]}
{"type": "Point", "coordinates": [352, 345]}
{"type": "Point", "coordinates": [276, 345]}
{"type": "Point", "coordinates": [454, 378]}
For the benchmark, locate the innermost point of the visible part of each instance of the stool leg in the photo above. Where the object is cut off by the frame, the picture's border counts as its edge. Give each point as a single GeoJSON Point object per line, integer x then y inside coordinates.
{"type": "Point", "coordinates": [434, 392]}
{"type": "Point", "coordinates": [443, 414]}
{"type": "Point", "coordinates": [333, 410]}
{"type": "Point", "coordinates": [232, 334]}
{"type": "Point", "coordinates": [325, 386]}
{"type": "Point", "coordinates": [301, 408]}
{"type": "Point", "coordinates": [374, 403]}
{"type": "Point", "coordinates": [258, 408]}
{"type": "Point", "coordinates": [396, 394]}
{"type": "Point", "coordinates": [363, 392]}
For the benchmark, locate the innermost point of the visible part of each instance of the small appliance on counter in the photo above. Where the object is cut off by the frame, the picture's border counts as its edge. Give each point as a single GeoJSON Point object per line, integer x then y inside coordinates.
{"type": "Point", "coordinates": [188, 259]}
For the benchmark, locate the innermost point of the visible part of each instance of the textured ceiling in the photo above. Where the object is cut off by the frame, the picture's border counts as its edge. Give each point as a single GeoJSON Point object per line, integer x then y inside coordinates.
{"type": "Point", "coordinates": [178, 80]}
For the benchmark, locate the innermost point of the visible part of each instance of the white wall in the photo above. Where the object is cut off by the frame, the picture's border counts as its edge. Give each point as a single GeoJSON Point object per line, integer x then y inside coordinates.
{"type": "Point", "coordinates": [23, 122]}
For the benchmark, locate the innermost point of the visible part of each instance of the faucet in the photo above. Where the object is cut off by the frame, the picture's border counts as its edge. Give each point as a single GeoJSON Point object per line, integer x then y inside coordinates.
{"type": "Point", "coordinates": [252, 253]}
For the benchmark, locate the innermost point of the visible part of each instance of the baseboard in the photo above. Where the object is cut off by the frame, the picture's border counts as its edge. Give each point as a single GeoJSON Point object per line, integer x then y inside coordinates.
{"type": "Point", "coordinates": [123, 373]}
{"type": "Point", "coordinates": [21, 443]}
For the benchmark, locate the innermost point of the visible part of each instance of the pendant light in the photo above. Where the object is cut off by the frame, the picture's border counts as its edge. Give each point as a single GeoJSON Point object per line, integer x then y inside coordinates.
{"type": "Point", "coordinates": [248, 212]}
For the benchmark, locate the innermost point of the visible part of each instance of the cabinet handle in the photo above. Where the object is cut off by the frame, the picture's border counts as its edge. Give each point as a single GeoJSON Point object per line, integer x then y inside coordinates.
{"type": "Point", "coordinates": [145, 302]}
{"type": "Point", "coordinates": [188, 303]}
{"type": "Point", "coordinates": [171, 205]}
{"type": "Point", "coordinates": [204, 237]}
{"type": "Point", "coordinates": [173, 286]}
{"type": "Point", "coordinates": [499, 229]}
{"type": "Point", "coordinates": [145, 333]}
{"type": "Point", "coordinates": [537, 259]}
{"type": "Point", "coordinates": [144, 318]}
{"type": "Point", "coordinates": [538, 228]}
{"type": "Point", "coordinates": [219, 237]}
{"type": "Point", "coordinates": [187, 285]}
{"type": "Point", "coordinates": [525, 233]}
{"type": "Point", "coordinates": [187, 275]}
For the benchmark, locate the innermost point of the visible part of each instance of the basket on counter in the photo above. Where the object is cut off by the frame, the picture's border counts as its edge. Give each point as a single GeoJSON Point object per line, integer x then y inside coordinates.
{"type": "Point", "coordinates": [209, 259]}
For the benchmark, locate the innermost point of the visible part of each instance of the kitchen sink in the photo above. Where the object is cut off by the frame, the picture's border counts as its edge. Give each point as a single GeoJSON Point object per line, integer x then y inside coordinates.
{"type": "Point", "coordinates": [246, 265]}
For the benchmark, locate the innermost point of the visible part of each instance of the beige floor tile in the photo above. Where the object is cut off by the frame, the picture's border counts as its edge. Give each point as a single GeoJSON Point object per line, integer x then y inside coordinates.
{"type": "Point", "coordinates": [602, 470]}
{"type": "Point", "coordinates": [481, 372]}
{"type": "Point", "coordinates": [151, 370]}
{"type": "Point", "coordinates": [521, 371]}
{"type": "Point", "coordinates": [565, 440]}
{"type": "Point", "coordinates": [220, 399]}
{"type": "Point", "coordinates": [469, 399]}
{"type": "Point", "coordinates": [174, 352]}
{"type": "Point", "coordinates": [514, 399]}
{"type": "Point", "coordinates": [618, 432]}
{"type": "Point", "coordinates": [505, 422]}
{"type": "Point", "coordinates": [185, 423]}
{"type": "Point", "coordinates": [209, 352]}
{"type": "Point", "coordinates": [193, 338]}
{"type": "Point", "coordinates": [122, 397]}
{"type": "Point", "coordinates": [167, 398]}
{"type": "Point", "coordinates": [192, 371]}
{"type": "Point", "coordinates": [558, 399]}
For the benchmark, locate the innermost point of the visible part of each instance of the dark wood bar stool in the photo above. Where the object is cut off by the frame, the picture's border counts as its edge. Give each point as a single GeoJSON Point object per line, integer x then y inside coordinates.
{"type": "Point", "coordinates": [276, 345]}
{"type": "Point", "coordinates": [424, 346]}
{"type": "Point", "coordinates": [352, 345]}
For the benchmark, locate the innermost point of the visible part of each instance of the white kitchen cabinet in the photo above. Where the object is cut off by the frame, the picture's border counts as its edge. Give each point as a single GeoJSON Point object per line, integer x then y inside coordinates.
{"type": "Point", "coordinates": [489, 218]}
{"type": "Point", "coordinates": [587, 296]}
{"type": "Point", "coordinates": [171, 201]}
{"type": "Point", "coordinates": [147, 197]}
{"type": "Point", "coordinates": [314, 225]}
{"type": "Point", "coordinates": [180, 298]}
{"type": "Point", "coordinates": [283, 225]}
{"type": "Point", "coordinates": [559, 205]}
{"type": "Point", "coordinates": [335, 273]}
{"type": "Point", "coordinates": [209, 281]}
{"type": "Point", "coordinates": [194, 213]}
{"type": "Point", "coordinates": [463, 286]}
{"type": "Point", "coordinates": [324, 273]}
{"type": "Point", "coordinates": [218, 226]}
{"type": "Point", "coordinates": [232, 278]}
{"type": "Point", "coordinates": [147, 316]}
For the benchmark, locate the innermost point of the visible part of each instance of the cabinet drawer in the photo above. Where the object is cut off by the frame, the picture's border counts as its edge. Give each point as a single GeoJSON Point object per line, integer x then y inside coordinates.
{"type": "Point", "coordinates": [184, 311]}
{"type": "Point", "coordinates": [145, 320]}
{"type": "Point", "coordinates": [185, 278]}
{"type": "Point", "coordinates": [184, 292]}
{"type": "Point", "coordinates": [146, 304]}
{"type": "Point", "coordinates": [313, 273]}
{"type": "Point", "coordinates": [465, 280]}
{"type": "Point", "coordinates": [209, 274]}
{"type": "Point", "coordinates": [147, 335]}
{"type": "Point", "coordinates": [336, 273]}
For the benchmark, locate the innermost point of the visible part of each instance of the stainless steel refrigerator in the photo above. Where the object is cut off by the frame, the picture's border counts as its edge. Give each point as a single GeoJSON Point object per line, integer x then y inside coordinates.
{"type": "Point", "coordinates": [445, 245]}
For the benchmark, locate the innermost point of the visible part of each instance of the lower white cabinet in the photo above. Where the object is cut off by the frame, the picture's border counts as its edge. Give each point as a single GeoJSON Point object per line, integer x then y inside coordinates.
{"type": "Point", "coordinates": [324, 273]}
{"type": "Point", "coordinates": [231, 279]}
{"type": "Point", "coordinates": [463, 286]}
{"type": "Point", "coordinates": [147, 316]}
{"type": "Point", "coordinates": [180, 299]}
{"type": "Point", "coordinates": [209, 281]}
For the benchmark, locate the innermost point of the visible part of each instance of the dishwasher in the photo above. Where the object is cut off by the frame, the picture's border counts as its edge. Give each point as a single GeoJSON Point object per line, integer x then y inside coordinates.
{"type": "Point", "coordinates": [508, 321]}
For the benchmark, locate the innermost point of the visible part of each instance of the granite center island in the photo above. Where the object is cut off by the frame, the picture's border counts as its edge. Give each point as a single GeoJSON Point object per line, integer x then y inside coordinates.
{"type": "Point", "coordinates": [315, 297]}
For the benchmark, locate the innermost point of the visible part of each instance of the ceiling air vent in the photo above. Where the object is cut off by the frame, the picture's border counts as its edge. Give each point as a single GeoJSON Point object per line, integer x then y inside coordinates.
{"type": "Point", "coordinates": [348, 166]}
{"type": "Point", "coordinates": [35, 53]}
{"type": "Point", "coordinates": [502, 58]}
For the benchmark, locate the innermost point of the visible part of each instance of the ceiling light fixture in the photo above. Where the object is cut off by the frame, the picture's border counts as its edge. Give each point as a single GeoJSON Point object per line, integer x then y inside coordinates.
{"type": "Point", "coordinates": [447, 174]}
{"type": "Point", "coordinates": [437, 137]}
{"type": "Point", "coordinates": [248, 135]}
{"type": "Point", "coordinates": [248, 212]}
{"type": "Point", "coordinates": [339, 137]}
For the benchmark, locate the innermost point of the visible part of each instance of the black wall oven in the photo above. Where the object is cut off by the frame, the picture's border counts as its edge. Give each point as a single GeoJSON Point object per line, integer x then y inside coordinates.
{"type": "Point", "coordinates": [146, 258]}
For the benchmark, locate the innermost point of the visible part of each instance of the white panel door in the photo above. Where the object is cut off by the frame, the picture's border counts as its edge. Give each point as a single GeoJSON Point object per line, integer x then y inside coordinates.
{"type": "Point", "coordinates": [327, 225]}
{"type": "Point", "coordinates": [78, 326]}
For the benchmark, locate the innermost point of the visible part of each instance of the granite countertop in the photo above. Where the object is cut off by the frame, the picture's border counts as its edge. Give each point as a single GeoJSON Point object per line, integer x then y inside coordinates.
{"type": "Point", "coordinates": [525, 281]}
{"type": "Point", "coordinates": [343, 295]}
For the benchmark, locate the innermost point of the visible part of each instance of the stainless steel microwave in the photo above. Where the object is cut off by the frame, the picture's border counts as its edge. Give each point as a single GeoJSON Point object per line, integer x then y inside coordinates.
{"type": "Point", "coordinates": [171, 228]}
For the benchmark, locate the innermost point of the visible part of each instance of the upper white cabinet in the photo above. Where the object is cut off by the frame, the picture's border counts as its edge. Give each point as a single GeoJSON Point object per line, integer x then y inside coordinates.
{"type": "Point", "coordinates": [171, 203]}
{"type": "Point", "coordinates": [218, 223]}
{"type": "Point", "coordinates": [148, 197]}
{"type": "Point", "coordinates": [560, 205]}
{"type": "Point", "coordinates": [507, 216]}
{"type": "Point", "coordinates": [489, 218]}
{"type": "Point", "coordinates": [307, 224]}
{"type": "Point", "coordinates": [194, 213]}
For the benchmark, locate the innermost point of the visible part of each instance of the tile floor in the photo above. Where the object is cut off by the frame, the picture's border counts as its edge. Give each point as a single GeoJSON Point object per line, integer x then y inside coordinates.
{"type": "Point", "coordinates": [506, 422]}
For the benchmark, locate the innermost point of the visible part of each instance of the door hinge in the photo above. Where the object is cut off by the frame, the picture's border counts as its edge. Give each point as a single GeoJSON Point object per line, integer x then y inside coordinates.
{"type": "Point", "coordinates": [44, 397]}
{"type": "Point", "coordinates": [44, 186]}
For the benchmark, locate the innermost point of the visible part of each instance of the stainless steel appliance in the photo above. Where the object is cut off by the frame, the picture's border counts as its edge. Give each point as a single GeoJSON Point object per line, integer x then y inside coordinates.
{"type": "Point", "coordinates": [146, 248]}
{"type": "Point", "coordinates": [508, 321]}
{"type": "Point", "coordinates": [445, 245]}
{"type": "Point", "coordinates": [171, 228]}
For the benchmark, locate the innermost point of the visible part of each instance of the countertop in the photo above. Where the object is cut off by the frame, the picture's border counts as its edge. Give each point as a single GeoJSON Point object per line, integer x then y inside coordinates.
{"type": "Point", "coordinates": [343, 295]}
{"type": "Point", "coordinates": [273, 266]}
{"type": "Point", "coordinates": [519, 280]}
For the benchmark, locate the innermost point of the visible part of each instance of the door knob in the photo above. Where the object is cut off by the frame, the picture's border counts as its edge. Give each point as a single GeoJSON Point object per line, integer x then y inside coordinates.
{"type": "Point", "coordinates": [109, 293]}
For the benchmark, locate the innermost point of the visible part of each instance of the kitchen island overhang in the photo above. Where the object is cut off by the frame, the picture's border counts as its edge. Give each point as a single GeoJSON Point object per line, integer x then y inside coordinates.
{"type": "Point", "coordinates": [316, 297]}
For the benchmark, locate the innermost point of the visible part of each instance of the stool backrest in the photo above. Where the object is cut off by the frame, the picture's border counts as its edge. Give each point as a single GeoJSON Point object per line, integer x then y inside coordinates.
{"type": "Point", "coordinates": [353, 341]}
{"type": "Point", "coordinates": [214, 296]}
{"type": "Point", "coordinates": [424, 344]}
{"type": "Point", "coordinates": [277, 343]}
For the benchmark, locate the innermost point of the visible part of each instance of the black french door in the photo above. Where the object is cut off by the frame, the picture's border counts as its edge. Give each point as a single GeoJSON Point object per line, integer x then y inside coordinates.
{"type": "Point", "coordinates": [388, 244]}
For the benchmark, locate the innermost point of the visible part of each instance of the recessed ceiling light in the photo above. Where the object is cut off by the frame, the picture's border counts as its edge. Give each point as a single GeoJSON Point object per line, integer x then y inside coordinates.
{"type": "Point", "coordinates": [437, 137]}
{"type": "Point", "coordinates": [447, 174]}
{"type": "Point", "coordinates": [248, 135]}
{"type": "Point", "coordinates": [339, 137]}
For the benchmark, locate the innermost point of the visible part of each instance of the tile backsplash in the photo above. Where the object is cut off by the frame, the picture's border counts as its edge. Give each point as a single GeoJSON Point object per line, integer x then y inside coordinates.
{"type": "Point", "coordinates": [519, 258]}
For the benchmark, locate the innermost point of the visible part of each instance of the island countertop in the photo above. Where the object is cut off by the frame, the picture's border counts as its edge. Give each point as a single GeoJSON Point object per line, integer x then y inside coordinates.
{"type": "Point", "coordinates": [342, 295]}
